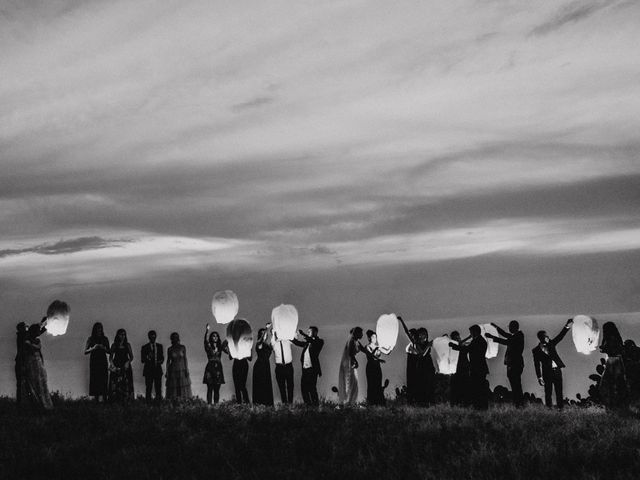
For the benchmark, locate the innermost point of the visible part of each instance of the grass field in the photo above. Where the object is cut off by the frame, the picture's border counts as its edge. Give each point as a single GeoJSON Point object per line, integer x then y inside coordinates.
{"type": "Point", "coordinates": [80, 439]}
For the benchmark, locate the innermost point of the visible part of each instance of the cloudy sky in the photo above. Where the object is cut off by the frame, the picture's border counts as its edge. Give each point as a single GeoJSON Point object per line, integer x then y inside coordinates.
{"type": "Point", "coordinates": [443, 159]}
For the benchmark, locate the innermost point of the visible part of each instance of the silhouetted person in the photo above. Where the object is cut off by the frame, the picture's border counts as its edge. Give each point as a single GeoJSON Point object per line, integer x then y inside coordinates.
{"type": "Point", "coordinates": [34, 376]}
{"type": "Point", "coordinates": [213, 373]}
{"type": "Point", "coordinates": [478, 369]}
{"type": "Point", "coordinates": [120, 358]}
{"type": "Point", "coordinates": [548, 364]}
{"type": "Point", "coordinates": [425, 371]}
{"type": "Point", "coordinates": [178, 385]}
{"type": "Point", "coordinates": [613, 387]}
{"type": "Point", "coordinates": [240, 373]}
{"type": "Point", "coordinates": [152, 356]}
{"type": "Point", "coordinates": [97, 347]}
{"type": "Point", "coordinates": [21, 336]}
{"type": "Point", "coordinates": [459, 384]}
{"type": "Point", "coordinates": [310, 360]}
{"type": "Point", "coordinates": [284, 366]}
{"type": "Point", "coordinates": [348, 373]}
{"type": "Point", "coordinates": [375, 389]}
{"type": "Point", "coordinates": [514, 340]}
{"type": "Point", "coordinates": [262, 387]}
{"type": "Point", "coordinates": [412, 359]}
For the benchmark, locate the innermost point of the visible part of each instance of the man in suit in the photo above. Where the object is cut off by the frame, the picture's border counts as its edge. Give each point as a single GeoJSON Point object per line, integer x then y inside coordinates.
{"type": "Point", "coordinates": [284, 367]}
{"type": "Point", "coordinates": [311, 346]}
{"type": "Point", "coordinates": [152, 357]}
{"type": "Point", "coordinates": [514, 340]}
{"type": "Point", "coordinates": [549, 366]}
{"type": "Point", "coordinates": [478, 369]}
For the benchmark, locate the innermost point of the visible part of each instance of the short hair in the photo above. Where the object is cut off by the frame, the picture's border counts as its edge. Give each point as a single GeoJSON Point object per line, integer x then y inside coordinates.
{"type": "Point", "coordinates": [514, 324]}
{"type": "Point", "coordinates": [475, 329]}
{"type": "Point", "coordinates": [541, 334]}
{"type": "Point", "coordinates": [152, 331]}
{"type": "Point", "coordinates": [455, 333]}
{"type": "Point", "coordinates": [314, 330]}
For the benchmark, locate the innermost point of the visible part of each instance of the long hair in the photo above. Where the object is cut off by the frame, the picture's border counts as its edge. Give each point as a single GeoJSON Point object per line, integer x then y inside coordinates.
{"type": "Point", "coordinates": [610, 335]}
{"type": "Point", "coordinates": [125, 341]}
{"type": "Point", "coordinates": [217, 343]}
{"type": "Point", "coordinates": [94, 332]}
{"type": "Point", "coordinates": [356, 332]}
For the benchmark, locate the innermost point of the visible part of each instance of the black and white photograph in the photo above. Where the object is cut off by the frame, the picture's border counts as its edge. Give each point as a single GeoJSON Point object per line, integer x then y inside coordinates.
{"type": "Point", "coordinates": [319, 239]}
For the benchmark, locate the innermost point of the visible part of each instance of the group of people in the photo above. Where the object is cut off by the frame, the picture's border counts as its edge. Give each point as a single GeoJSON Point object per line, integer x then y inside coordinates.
{"type": "Point", "coordinates": [111, 373]}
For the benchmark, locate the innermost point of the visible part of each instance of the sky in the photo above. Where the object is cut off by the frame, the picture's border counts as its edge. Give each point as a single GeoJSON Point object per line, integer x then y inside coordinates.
{"type": "Point", "coordinates": [449, 161]}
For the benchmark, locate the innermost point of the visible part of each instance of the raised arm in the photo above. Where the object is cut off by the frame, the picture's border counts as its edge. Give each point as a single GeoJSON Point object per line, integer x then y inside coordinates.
{"type": "Point", "coordinates": [502, 332]}
{"type": "Point", "coordinates": [406, 330]}
{"type": "Point", "coordinates": [558, 338]}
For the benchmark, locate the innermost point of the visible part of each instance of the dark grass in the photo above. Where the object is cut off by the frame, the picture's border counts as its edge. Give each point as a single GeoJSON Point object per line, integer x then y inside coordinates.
{"type": "Point", "coordinates": [80, 439]}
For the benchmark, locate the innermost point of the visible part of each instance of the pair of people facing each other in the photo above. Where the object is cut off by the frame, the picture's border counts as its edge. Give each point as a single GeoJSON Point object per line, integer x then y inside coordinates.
{"type": "Point", "coordinates": [267, 343]}
{"type": "Point", "coordinates": [111, 373]}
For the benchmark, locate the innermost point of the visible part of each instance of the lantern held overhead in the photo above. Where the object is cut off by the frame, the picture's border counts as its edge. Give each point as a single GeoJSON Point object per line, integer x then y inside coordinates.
{"type": "Point", "coordinates": [492, 347]}
{"type": "Point", "coordinates": [57, 318]}
{"type": "Point", "coordinates": [585, 333]}
{"type": "Point", "coordinates": [387, 331]}
{"type": "Point", "coordinates": [285, 321]}
{"type": "Point", "coordinates": [224, 306]}
{"type": "Point", "coordinates": [239, 338]}
{"type": "Point", "coordinates": [444, 357]}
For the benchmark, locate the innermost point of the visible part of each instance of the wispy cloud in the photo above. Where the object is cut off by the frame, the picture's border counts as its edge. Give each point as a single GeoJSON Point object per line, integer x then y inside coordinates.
{"type": "Point", "coordinates": [66, 246]}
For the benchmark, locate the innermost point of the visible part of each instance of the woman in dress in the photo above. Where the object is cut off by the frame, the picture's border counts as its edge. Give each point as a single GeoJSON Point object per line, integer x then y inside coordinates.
{"type": "Point", "coordinates": [34, 376]}
{"type": "Point", "coordinates": [412, 361]}
{"type": "Point", "coordinates": [97, 347]}
{"type": "Point", "coordinates": [348, 374]}
{"type": "Point", "coordinates": [262, 387]}
{"type": "Point", "coordinates": [178, 379]}
{"type": "Point", "coordinates": [120, 357]}
{"type": "Point", "coordinates": [213, 374]}
{"type": "Point", "coordinates": [373, 351]}
{"type": "Point", "coordinates": [425, 371]}
{"type": "Point", "coordinates": [613, 386]}
{"type": "Point", "coordinates": [240, 373]}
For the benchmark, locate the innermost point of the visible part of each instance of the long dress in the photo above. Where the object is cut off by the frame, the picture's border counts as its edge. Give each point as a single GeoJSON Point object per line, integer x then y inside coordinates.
{"type": "Point", "coordinates": [375, 392]}
{"type": "Point", "coordinates": [213, 373]}
{"type": "Point", "coordinates": [34, 380]}
{"type": "Point", "coordinates": [262, 386]}
{"type": "Point", "coordinates": [178, 379]}
{"type": "Point", "coordinates": [425, 373]}
{"type": "Point", "coordinates": [348, 374]}
{"type": "Point", "coordinates": [121, 381]}
{"type": "Point", "coordinates": [98, 367]}
{"type": "Point", "coordinates": [412, 360]}
{"type": "Point", "coordinates": [613, 387]}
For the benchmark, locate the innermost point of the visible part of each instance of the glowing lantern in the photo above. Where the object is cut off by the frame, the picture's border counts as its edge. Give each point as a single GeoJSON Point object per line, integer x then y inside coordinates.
{"type": "Point", "coordinates": [444, 357]}
{"type": "Point", "coordinates": [387, 331]}
{"type": "Point", "coordinates": [285, 322]}
{"type": "Point", "coordinates": [224, 306]}
{"type": "Point", "coordinates": [57, 318]}
{"type": "Point", "coordinates": [492, 347]}
{"type": "Point", "coordinates": [585, 333]}
{"type": "Point", "coordinates": [239, 338]}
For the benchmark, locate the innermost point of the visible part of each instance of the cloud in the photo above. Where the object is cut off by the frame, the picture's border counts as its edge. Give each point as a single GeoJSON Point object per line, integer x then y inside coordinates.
{"type": "Point", "coordinates": [66, 246]}
{"type": "Point", "coordinates": [571, 13]}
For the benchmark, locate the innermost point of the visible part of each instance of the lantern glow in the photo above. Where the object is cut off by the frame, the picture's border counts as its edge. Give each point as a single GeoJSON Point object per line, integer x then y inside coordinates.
{"type": "Point", "coordinates": [285, 322]}
{"type": "Point", "coordinates": [57, 318]}
{"type": "Point", "coordinates": [387, 331]}
{"type": "Point", "coordinates": [444, 357]}
{"type": "Point", "coordinates": [492, 347]}
{"type": "Point", "coordinates": [224, 306]}
{"type": "Point", "coordinates": [585, 333]}
{"type": "Point", "coordinates": [239, 338]}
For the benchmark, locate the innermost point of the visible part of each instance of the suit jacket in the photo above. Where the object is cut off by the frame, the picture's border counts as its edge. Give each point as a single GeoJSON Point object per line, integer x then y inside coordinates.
{"type": "Point", "coordinates": [146, 356]}
{"type": "Point", "coordinates": [476, 350]}
{"type": "Point", "coordinates": [314, 344]}
{"type": "Point", "coordinates": [515, 347]}
{"type": "Point", "coordinates": [543, 361]}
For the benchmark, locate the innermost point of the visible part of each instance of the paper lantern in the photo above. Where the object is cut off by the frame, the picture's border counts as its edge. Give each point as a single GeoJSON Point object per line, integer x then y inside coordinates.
{"type": "Point", "coordinates": [224, 306]}
{"type": "Point", "coordinates": [387, 331]}
{"type": "Point", "coordinates": [444, 357]}
{"type": "Point", "coordinates": [284, 319]}
{"type": "Point", "coordinates": [57, 318]}
{"type": "Point", "coordinates": [239, 338]}
{"type": "Point", "coordinates": [492, 347]}
{"type": "Point", "coordinates": [585, 333]}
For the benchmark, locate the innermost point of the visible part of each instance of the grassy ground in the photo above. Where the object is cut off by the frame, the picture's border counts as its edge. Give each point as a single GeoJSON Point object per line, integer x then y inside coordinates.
{"type": "Point", "coordinates": [84, 440]}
